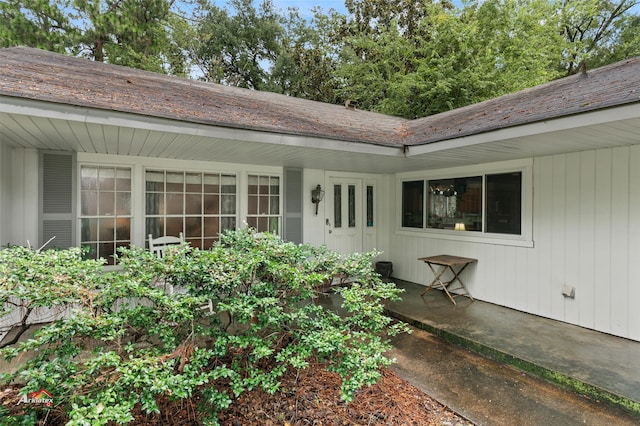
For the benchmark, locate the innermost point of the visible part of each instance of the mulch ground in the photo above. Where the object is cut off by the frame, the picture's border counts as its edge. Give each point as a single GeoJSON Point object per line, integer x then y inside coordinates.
{"type": "Point", "coordinates": [311, 397]}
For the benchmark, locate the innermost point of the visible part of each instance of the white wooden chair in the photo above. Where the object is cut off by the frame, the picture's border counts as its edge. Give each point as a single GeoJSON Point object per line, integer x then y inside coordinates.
{"type": "Point", "coordinates": [158, 245]}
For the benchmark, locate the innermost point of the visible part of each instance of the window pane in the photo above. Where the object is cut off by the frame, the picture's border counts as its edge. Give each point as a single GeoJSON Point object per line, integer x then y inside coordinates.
{"type": "Point", "coordinates": [228, 204]}
{"type": "Point", "coordinates": [123, 229]}
{"type": "Point", "coordinates": [89, 178]}
{"type": "Point", "coordinates": [107, 179]}
{"type": "Point", "coordinates": [275, 186]}
{"type": "Point", "coordinates": [106, 204]}
{"type": "Point", "coordinates": [175, 182]}
{"type": "Point", "coordinates": [89, 203]}
{"type": "Point", "coordinates": [369, 205]}
{"type": "Point", "coordinates": [211, 226]}
{"type": "Point", "coordinates": [211, 184]}
{"type": "Point", "coordinates": [154, 203]}
{"type": "Point", "coordinates": [123, 180]}
{"type": "Point", "coordinates": [228, 184]}
{"type": "Point", "coordinates": [274, 225]}
{"type": "Point", "coordinates": [193, 227]}
{"type": "Point", "coordinates": [89, 229]}
{"type": "Point", "coordinates": [154, 181]}
{"type": "Point", "coordinates": [504, 203]}
{"type": "Point", "coordinates": [211, 204]}
{"type": "Point", "coordinates": [263, 204]}
{"type": "Point", "coordinates": [412, 204]}
{"type": "Point", "coordinates": [274, 205]}
{"type": "Point", "coordinates": [155, 227]}
{"type": "Point", "coordinates": [174, 226]}
{"type": "Point", "coordinates": [193, 182]}
{"type": "Point", "coordinates": [106, 251]}
{"type": "Point", "coordinates": [253, 184]}
{"type": "Point", "coordinates": [352, 206]}
{"type": "Point", "coordinates": [263, 224]}
{"type": "Point", "coordinates": [193, 204]}
{"type": "Point", "coordinates": [253, 204]}
{"type": "Point", "coordinates": [106, 228]}
{"type": "Point", "coordinates": [455, 203]}
{"type": "Point", "coordinates": [123, 203]}
{"type": "Point", "coordinates": [174, 203]}
{"type": "Point", "coordinates": [252, 222]}
{"type": "Point", "coordinates": [264, 185]}
{"type": "Point", "coordinates": [337, 206]}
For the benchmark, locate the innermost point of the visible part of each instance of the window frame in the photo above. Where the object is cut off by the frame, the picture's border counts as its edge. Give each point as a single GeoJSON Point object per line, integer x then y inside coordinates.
{"type": "Point", "coordinates": [524, 239]}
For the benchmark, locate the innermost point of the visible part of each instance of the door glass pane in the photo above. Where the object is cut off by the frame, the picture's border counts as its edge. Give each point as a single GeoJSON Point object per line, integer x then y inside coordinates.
{"type": "Point", "coordinates": [337, 206]}
{"type": "Point", "coordinates": [369, 205]}
{"type": "Point", "coordinates": [352, 206]}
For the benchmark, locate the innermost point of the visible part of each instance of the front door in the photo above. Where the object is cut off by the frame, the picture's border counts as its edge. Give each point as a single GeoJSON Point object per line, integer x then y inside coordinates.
{"type": "Point", "coordinates": [344, 215]}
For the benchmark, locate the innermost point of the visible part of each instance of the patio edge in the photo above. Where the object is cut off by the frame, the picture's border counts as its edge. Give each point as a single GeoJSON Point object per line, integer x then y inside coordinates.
{"type": "Point", "coordinates": [562, 380]}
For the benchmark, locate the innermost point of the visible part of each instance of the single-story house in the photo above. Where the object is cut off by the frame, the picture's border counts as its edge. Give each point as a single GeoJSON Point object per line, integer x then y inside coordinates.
{"type": "Point", "coordinates": [541, 186]}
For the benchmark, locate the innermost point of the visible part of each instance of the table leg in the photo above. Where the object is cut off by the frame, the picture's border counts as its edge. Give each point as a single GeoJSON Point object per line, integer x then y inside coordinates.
{"type": "Point", "coordinates": [456, 277]}
{"type": "Point", "coordinates": [436, 280]}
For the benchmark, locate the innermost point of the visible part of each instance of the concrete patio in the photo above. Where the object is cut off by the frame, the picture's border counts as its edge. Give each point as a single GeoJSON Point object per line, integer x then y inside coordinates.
{"type": "Point", "coordinates": [597, 365]}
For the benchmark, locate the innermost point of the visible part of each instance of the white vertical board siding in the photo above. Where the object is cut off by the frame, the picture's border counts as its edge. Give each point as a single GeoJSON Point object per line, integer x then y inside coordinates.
{"type": "Point", "coordinates": [586, 232]}
{"type": "Point", "coordinates": [634, 244]}
{"type": "Point", "coordinates": [5, 187]}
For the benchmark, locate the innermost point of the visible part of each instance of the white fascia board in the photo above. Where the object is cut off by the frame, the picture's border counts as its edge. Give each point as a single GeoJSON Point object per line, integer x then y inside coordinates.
{"type": "Point", "coordinates": [602, 116]}
{"type": "Point", "coordinates": [56, 111]}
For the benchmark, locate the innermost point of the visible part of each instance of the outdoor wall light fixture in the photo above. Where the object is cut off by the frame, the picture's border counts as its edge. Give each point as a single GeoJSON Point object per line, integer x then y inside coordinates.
{"type": "Point", "coordinates": [317, 195]}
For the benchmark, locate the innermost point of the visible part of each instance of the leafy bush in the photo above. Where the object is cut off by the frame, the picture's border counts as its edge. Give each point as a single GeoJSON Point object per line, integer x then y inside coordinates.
{"type": "Point", "coordinates": [129, 342]}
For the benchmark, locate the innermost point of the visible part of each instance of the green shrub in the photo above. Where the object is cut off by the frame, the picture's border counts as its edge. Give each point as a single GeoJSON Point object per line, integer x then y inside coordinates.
{"type": "Point", "coordinates": [128, 341]}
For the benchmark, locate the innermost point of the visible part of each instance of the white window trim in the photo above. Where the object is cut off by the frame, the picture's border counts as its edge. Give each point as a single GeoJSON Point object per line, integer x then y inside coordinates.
{"type": "Point", "coordinates": [525, 239]}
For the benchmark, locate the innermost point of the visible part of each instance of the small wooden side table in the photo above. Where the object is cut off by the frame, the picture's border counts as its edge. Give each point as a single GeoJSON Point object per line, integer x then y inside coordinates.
{"type": "Point", "coordinates": [448, 262]}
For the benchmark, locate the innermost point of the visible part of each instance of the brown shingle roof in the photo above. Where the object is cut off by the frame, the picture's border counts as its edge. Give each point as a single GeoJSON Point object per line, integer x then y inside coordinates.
{"type": "Point", "coordinates": [604, 87]}
{"type": "Point", "coordinates": [36, 74]}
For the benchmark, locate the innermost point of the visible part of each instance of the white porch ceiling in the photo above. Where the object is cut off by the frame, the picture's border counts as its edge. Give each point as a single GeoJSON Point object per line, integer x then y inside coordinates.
{"type": "Point", "coordinates": [108, 132]}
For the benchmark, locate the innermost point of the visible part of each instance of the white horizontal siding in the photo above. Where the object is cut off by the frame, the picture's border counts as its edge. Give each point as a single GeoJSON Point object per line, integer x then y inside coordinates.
{"type": "Point", "coordinates": [586, 232]}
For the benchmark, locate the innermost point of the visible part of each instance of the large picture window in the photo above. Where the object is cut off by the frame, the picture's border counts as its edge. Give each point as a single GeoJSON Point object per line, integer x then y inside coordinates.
{"type": "Point", "coordinates": [105, 210]}
{"type": "Point", "coordinates": [263, 212]}
{"type": "Point", "coordinates": [200, 205]}
{"type": "Point", "coordinates": [490, 203]}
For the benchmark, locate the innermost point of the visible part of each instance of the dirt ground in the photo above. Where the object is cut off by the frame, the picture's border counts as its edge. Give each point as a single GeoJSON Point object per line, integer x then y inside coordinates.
{"type": "Point", "coordinates": [311, 397]}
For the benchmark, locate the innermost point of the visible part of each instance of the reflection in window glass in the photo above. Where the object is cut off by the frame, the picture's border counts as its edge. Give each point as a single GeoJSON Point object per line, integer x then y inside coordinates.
{"type": "Point", "coordinates": [504, 203]}
{"type": "Point", "coordinates": [105, 211]}
{"type": "Point", "coordinates": [263, 213]}
{"type": "Point", "coordinates": [490, 203]}
{"type": "Point", "coordinates": [200, 205]}
{"type": "Point", "coordinates": [455, 203]}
